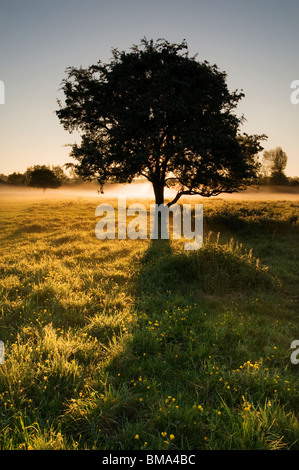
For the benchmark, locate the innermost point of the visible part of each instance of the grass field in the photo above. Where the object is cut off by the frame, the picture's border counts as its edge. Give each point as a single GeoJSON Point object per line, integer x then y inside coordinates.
{"type": "Point", "coordinates": [135, 344]}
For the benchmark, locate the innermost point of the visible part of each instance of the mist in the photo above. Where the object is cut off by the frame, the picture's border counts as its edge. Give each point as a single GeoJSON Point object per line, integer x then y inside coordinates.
{"type": "Point", "coordinates": [139, 191]}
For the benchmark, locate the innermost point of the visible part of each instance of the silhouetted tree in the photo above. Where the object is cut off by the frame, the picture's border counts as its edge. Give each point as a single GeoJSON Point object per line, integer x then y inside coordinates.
{"type": "Point", "coordinates": [279, 178]}
{"type": "Point", "coordinates": [59, 173]}
{"type": "Point", "coordinates": [16, 179]}
{"type": "Point", "coordinates": [42, 178]}
{"type": "Point", "coordinates": [294, 181]}
{"type": "Point", "coordinates": [3, 178]}
{"type": "Point", "coordinates": [275, 162]}
{"type": "Point", "coordinates": [158, 113]}
{"type": "Point", "coordinates": [74, 177]}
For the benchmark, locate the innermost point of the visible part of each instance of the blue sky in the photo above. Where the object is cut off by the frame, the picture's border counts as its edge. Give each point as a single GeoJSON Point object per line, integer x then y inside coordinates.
{"type": "Point", "coordinates": [255, 42]}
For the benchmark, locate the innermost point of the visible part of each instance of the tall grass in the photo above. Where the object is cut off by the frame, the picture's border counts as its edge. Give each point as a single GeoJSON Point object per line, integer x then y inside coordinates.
{"type": "Point", "coordinates": [133, 344]}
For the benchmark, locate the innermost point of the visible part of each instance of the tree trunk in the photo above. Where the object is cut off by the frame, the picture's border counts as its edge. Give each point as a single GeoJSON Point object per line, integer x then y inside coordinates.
{"type": "Point", "coordinates": [159, 199]}
{"type": "Point", "coordinates": [159, 192]}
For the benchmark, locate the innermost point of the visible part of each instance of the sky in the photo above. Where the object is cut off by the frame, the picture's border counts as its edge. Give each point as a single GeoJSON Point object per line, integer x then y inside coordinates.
{"type": "Point", "coordinates": [254, 41]}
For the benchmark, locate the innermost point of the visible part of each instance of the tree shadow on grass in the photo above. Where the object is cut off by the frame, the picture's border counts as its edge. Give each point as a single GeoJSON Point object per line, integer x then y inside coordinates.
{"type": "Point", "coordinates": [215, 269]}
{"type": "Point", "coordinates": [158, 358]}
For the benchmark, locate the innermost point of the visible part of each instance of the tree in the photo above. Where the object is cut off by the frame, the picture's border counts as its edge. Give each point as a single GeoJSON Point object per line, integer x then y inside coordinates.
{"type": "Point", "coordinates": [274, 163]}
{"type": "Point", "coordinates": [42, 177]}
{"type": "Point", "coordinates": [73, 177]}
{"type": "Point", "coordinates": [59, 173]}
{"type": "Point", "coordinates": [158, 113]}
{"type": "Point", "coordinates": [56, 169]}
{"type": "Point", "coordinates": [16, 179]}
{"type": "Point", "coordinates": [3, 178]}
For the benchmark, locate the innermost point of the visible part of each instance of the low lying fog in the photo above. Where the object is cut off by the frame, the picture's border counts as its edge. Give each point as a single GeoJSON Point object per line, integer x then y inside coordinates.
{"type": "Point", "coordinates": [139, 191]}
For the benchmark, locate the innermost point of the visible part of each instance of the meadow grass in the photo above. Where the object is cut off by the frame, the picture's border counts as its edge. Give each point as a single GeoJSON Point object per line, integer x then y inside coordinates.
{"type": "Point", "coordinates": [138, 344]}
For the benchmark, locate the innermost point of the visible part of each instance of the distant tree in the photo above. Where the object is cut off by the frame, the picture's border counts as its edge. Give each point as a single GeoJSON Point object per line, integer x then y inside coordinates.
{"type": "Point", "coordinates": [294, 181]}
{"type": "Point", "coordinates": [59, 172]}
{"type": "Point", "coordinates": [42, 178]}
{"type": "Point", "coordinates": [3, 177]}
{"type": "Point", "coordinates": [274, 164]}
{"type": "Point", "coordinates": [30, 169]}
{"type": "Point", "coordinates": [16, 179]}
{"type": "Point", "coordinates": [279, 178]}
{"type": "Point", "coordinates": [56, 169]}
{"type": "Point", "coordinates": [74, 177]}
{"type": "Point", "coordinates": [157, 113]}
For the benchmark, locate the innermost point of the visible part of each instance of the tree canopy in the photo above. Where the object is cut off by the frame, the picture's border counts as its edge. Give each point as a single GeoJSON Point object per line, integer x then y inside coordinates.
{"type": "Point", "coordinates": [155, 112]}
{"type": "Point", "coordinates": [42, 177]}
{"type": "Point", "coordinates": [274, 163]}
{"type": "Point", "coordinates": [16, 179]}
{"type": "Point", "coordinates": [275, 160]}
